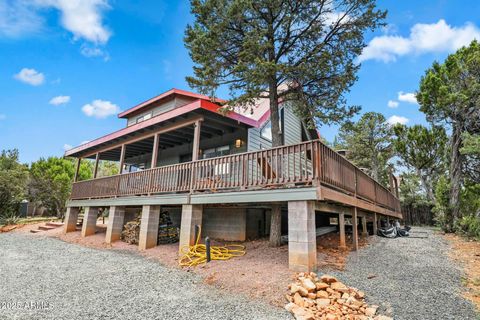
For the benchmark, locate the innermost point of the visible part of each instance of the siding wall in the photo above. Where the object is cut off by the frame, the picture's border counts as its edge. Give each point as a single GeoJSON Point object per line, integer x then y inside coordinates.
{"type": "Point", "coordinates": [292, 132]}
{"type": "Point", "coordinates": [161, 108]}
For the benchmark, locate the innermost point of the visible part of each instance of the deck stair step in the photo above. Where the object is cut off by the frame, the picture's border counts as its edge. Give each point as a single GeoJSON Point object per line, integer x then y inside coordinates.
{"type": "Point", "coordinates": [46, 228]}
{"type": "Point", "coordinates": [35, 231]}
{"type": "Point", "coordinates": [80, 219]}
{"type": "Point", "coordinates": [54, 224]}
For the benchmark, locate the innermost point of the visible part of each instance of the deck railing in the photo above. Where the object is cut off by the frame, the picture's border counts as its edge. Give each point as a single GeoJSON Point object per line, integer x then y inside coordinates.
{"type": "Point", "coordinates": [304, 164]}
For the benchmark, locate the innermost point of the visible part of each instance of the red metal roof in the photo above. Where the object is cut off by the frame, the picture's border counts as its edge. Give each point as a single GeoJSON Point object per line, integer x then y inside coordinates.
{"type": "Point", "coordinates": [254, 115]}
{"type": "Point", "coordinates": [198, 104]}
{"type": "Point", "coordinates": [166, 94]}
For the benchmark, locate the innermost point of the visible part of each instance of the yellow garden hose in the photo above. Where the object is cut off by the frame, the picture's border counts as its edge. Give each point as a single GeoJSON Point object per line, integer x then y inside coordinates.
{"type": "Point", "coordinates": [197, 254]}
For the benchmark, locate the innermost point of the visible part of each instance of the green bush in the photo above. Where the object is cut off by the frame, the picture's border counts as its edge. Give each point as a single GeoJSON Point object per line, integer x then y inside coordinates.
{"type": "Point", "coordinates": [468, 226]}
{"type": "Point", "coordinates": [8, 219]}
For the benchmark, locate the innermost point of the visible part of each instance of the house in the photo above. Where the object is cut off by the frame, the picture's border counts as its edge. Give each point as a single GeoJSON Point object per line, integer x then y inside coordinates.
{"type": "Point", "coordinates": [180, 152]}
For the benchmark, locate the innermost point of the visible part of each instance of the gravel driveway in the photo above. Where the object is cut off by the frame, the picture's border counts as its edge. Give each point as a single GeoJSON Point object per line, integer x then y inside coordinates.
{"type": "Point", "coordinates": [74, 282]}
{"type": "Point", "coordinates": [412, 278]}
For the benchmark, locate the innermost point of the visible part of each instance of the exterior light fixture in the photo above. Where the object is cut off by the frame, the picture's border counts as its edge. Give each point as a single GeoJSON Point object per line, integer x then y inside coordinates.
{"type": "Point", "coordinates": [238, 143]}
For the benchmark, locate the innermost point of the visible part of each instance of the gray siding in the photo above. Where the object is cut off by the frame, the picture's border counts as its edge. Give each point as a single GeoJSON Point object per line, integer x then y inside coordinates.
{"type": "Point", "coordinates": [161, 108]}
{"type": "Point", "coordinates": [292, 132]}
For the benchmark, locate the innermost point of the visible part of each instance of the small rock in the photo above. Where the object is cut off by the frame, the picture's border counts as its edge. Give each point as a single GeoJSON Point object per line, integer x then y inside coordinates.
{"type": "Point", "coordinates": [370, 312]}
{"type": "Point", "coordinates": [331, 316]}
{"type": "Point", "coordinates": [289, 306]}
{"type": "Point", "coordinates": [338, 286]}
{"type": "Point", "coordinates": [298, 300]}
{"type": "Point", "coordinates": [322, 286]}
{"type": "Point", "coordinates": [311, 295]}
{"type": "Point", "coordinates": [328, 278]}
{"type": "Point", "coordinates": [308, 284]}
{"type": "Point", "coordinates": [323, 302]}
{"type": "Point", "coordinates": [322, 294]}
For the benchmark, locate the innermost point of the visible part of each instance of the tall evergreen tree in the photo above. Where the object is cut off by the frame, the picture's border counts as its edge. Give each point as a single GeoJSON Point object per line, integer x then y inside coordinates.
{"type": "Point", "coordinates": [422, 150]}
{"type": "Point", "coordinates": [449, 95]}
{"type": "Point", "coordinates": [301, 51]}
{"type": "Point", "coordinates": [369, 144]}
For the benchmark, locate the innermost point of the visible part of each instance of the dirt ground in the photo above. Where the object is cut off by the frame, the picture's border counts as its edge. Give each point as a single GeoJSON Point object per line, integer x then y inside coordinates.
{"type": "Point", "coordinates": [467, 253]}
{"type": "Point", "coordinates": [258, 274]}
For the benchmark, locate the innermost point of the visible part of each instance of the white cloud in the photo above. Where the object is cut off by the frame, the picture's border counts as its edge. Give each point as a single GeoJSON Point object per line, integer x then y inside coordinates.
{"type": "Point", "coordinates": [407, 97]}
{"type": "Point", "coordinates": [100, 109]}
{"type": "Point", "coordinates": [392, 104]}
{"type": "Point", "coordinates": [30, 76]}
{"type": "Point", "coordinates": [84, 142]}
{"type": "Point", "coordinates": [83, 18]}
{"type": "Point", "coordinates": [58, 100]}
{"type": "Point", "coordinates": [423, 38]}
{"type": "Point", "coordinates": [18, 18]}
{"type": "Point", "coordinates": [94, 51]}
{"type": "Point", "coordinates": [397, 119]}
{"type": "Point", "coordinates": [67, 147]}
{"type": "Point", "coordinates": [2, 116]}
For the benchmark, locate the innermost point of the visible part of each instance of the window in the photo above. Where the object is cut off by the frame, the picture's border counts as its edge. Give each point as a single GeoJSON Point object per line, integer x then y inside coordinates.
{"type": "Point", "coordinates": [216, 152]}
{"type": "Point", "coordinates": [144, 117]}
{"type": "Point", "coordinates": [266, 131]}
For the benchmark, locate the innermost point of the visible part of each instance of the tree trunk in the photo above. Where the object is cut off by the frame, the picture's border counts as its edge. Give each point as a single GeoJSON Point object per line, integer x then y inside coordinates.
{"type": "Point", "coordinates": [375, 168]}
{"type": "Point", "coordinates": [276, 225]}
{"type": "Point", "coordinates": [276, 221]}
{"type": "Point", "coordinates": [426, 186]}
{"type": "Point", "coordinates": [455, 178]}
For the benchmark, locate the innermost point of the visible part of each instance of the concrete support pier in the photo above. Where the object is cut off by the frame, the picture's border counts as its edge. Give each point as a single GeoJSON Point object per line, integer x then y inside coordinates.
{"type": "Point", "coordinates": [149, 227]}
{"type": "Point", "coordinates": [71, 218]}
{"type": "Point", "coordinates": [375, 224]}
{"type": "Point", "coordinates": [302, 241]}
{"type": "Point", "coordinates": [191, 216]}
{"type": "Point", "coordinates": [116, 218]}
{"type": "Point", "coordinates": [89, 221]}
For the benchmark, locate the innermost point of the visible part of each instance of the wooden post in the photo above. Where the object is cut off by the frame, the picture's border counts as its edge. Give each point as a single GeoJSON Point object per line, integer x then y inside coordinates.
{"type": "Point", "coordinates": [196, 140]}
{"type": "Point", "coordinates": [156, 140]}
{"type": "Point", "coordinates": [355, 229]}
{"type": "Point", "coordinates": [375, 224]}
{"type": "Point", "coordinates": [77, 169]}
{"type": "Point", "coordinates": [364, 226]}
{"type": "Point", "coordinates": [122, 157]}
{"type": "Point", "coordinates": [95, 170]}
{"type": "Point", "coordinates": [341, 225]}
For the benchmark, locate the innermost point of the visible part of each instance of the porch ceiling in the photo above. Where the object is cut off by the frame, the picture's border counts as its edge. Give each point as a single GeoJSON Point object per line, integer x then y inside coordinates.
{"type": "Point", "coordinates": [212, 125]}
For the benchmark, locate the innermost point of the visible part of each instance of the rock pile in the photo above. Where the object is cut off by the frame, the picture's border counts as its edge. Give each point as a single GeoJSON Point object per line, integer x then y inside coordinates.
{"type": "Point", "coordinates": [326, 298]}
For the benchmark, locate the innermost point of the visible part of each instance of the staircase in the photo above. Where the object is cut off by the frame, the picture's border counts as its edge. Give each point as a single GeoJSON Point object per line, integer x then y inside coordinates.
{"type": "Point", "coordinates": [80, 220]}
{"type": "Point", "coordinates": [47, 226]}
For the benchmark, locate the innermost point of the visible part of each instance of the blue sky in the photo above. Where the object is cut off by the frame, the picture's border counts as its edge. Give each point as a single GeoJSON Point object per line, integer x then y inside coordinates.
{"type": "Point", "coordinates": [66, 70]}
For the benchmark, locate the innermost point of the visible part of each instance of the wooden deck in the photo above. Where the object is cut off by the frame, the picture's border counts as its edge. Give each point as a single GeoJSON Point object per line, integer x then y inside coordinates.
{"type": "Point", "coordinates": [306, 165]}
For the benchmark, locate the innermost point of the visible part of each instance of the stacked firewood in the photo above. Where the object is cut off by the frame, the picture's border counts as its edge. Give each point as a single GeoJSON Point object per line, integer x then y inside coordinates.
{"type": "Point", "coordinates": [131, 231]}
{"type": "Point", "coordinates": [167, 233]}
{"type": "Point", "coordinates": [326, 298]}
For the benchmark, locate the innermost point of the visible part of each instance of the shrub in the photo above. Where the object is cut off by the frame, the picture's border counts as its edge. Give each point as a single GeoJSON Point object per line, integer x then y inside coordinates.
{"type": "Point", "coordinates": [469, 226]}
{"type": "Point", "coordinates": [8, 219]}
